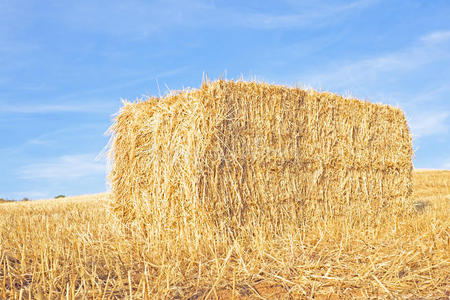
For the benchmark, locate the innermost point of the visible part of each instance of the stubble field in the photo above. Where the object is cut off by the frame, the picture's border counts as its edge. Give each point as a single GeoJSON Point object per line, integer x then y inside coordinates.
{"type": "Point", "coordinates": [73, 248]}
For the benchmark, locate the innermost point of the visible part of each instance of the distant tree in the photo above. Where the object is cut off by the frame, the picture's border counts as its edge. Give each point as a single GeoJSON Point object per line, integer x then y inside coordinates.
{"type": "Point", "coordinates": [60, 196]}
{"type": "Point", "coordinates": [5, 200]}
{"type": "Point", "coordinates": [25, 199]}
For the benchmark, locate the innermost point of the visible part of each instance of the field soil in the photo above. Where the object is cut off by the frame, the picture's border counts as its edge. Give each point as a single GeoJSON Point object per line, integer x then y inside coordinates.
{"type": "Point", "coordinates": [74, 248]}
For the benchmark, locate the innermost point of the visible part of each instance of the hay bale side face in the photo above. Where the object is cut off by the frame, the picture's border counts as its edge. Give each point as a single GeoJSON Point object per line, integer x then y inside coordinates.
{"type": "Point", "coordinates": [155, 152]}
{"type": "Point", "coordinates": [236, 149]}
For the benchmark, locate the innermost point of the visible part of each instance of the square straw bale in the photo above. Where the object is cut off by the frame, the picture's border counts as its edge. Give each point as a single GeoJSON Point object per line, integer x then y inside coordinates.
{"type": "Point", "coordinates": [231, 152]}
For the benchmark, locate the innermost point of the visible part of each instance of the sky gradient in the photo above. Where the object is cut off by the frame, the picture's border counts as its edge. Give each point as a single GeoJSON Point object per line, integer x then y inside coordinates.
{"type": "Point", "coordinates": [66, 65]}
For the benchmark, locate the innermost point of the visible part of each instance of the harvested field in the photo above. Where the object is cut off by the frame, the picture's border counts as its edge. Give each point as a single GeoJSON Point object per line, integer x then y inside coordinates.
{"type": "Point", "coordinates": [73, 248]}
{"type": "Point", "coordinates": [241, 191]}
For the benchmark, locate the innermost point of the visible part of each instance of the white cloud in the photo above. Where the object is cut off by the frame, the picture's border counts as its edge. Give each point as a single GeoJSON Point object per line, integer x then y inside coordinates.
{"type": "Point", "coordinates": [137, 79]}
{"type": "Point", "coordinates": [64, 168]}
{"type": "Point", "coordinates": [32, 194]}
{"type": "Point", "coordinates": [437, 37]}
{"type": "Point", "coordinates": [447, 164]}
{"type": "Point", "coordinates": [135, 19]}
{"type": "Point", "coordinates": [311, 15]}
{"type": "Point", "coordinates": [430, 48]}
{"type": "Point", "coordinates": [56, 108]}
{"type": "Point", "coordinates": [65, 135]}
{"type": "Point", "coordinates": [89, 102]}
{"type": "Point", "coordinates": [439, 90]}
{"type": "Point", "coordinates": [430, 123]}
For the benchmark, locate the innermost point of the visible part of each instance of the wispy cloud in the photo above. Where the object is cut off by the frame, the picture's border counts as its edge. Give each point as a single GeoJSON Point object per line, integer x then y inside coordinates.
{"type": "Point", "coordinates": [57, 108]}
{"type": "Point", "coordinates": [447, 164]}
{"type": "Point", "coordinates": [439, 90]}
{"type": "Point", "coordinates": [31, 194]}
{"type": "Point", "coordinates": [65, 135]}
{"type": "Point", "coordinates": [139, 19]}
{"type": "Point", "coordinates": [89, 103]}
{"type": "Point", "coordinates": [430, 123]}
{"type": "Point", "coordinates": [64, 168]}
{"type": "Point", "coordinates": [437, 37]}
{"type": "Point", "coordinates": [430, 48]}
{"type": "Point", "coordinates": [303, 16]}
{"type": "Point", "coordinates": [136, 79]}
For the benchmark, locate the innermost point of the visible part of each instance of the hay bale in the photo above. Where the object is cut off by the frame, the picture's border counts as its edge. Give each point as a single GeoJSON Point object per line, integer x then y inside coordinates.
{"type": "Point", "coordinates": [231, 151]}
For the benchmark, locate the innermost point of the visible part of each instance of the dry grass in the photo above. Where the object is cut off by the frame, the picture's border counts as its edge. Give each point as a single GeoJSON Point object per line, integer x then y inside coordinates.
{"type": "Point", "coordinates": [73, 248]}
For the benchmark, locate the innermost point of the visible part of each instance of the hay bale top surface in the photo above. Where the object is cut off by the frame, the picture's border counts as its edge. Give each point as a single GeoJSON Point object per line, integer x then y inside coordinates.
{"type": "Point", "coordinates": [173, 99]}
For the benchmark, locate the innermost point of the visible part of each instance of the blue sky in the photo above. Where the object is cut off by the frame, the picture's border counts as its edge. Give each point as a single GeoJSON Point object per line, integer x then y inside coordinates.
{"type": "Point", "coordinates": [66, 65]}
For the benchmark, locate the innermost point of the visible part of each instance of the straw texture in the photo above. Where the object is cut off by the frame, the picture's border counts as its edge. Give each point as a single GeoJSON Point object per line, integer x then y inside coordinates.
{"type": "Point", "coordinates": [232, 152]}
